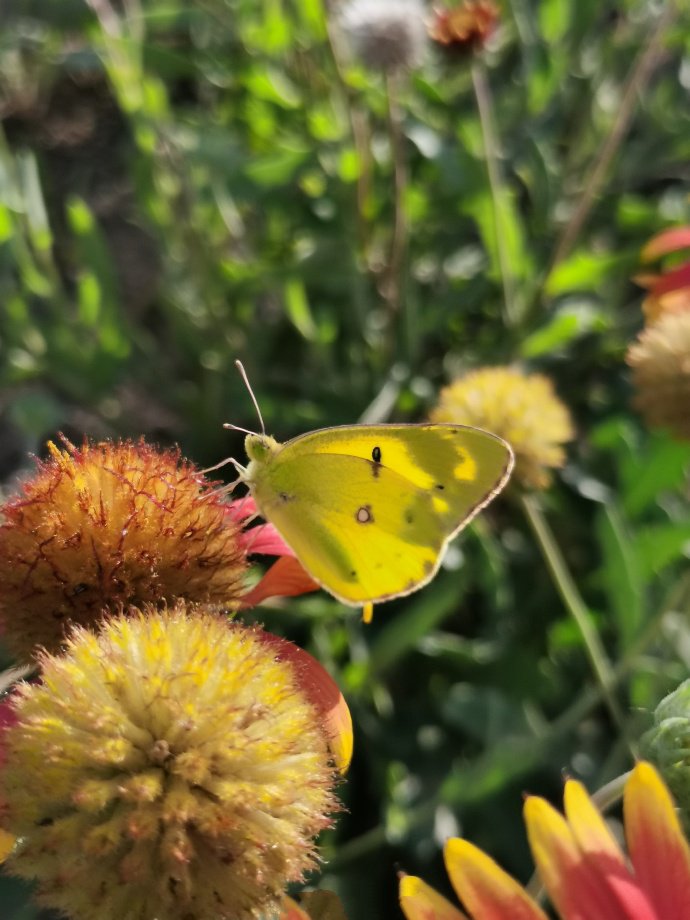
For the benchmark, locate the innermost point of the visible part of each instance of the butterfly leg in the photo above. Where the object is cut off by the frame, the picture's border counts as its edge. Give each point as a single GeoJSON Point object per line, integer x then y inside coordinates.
{"type": "Point", "coordinates": [367, 612]}
{"type": "Point", "coordinates": [238, 466]}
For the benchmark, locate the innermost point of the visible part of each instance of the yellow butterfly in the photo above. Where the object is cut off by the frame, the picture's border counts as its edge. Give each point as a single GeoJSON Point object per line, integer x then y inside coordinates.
{"type": "Point", "coordinates": [369, 509]}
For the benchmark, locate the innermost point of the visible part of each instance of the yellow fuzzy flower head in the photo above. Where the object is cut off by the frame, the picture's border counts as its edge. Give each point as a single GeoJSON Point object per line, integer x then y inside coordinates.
{"type": "Point", "coordinates": [170, 767]}
{"type": "Point", "coordinates": [660, 361]}
{"type": "Point", "coordinates": [521, 408]}
{"type": "Point", "coordinates": [110, 524]}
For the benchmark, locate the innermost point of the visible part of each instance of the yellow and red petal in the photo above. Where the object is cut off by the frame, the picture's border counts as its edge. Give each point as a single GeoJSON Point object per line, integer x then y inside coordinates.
{"type": "Point", "coordinates": [7, 842]}
{"type": "Point", "coordinates": [324, 694]}
{"type": "Point", "coordinates": [589, 829]}
{"type": "Point", "coordinates": [646, 280]}
{"type": "Point", "coordinates": [419, 901]}
{"type": "Point", "coordinates": [292, 911]}
{"type": "Point", "coordinates": [658, 850]}
{"type": "Point", "coordinates": [286, 578]}
{"type": "Point", "coordinates": [485, 889]}
{"type": "Point", "coordinates": [667, 241]}
{"type": "Point", "coordinates": [580, 885]}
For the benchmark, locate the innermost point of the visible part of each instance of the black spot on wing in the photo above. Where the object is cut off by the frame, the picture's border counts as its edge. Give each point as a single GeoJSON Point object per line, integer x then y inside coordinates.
{"type": "Point", "coordinates": [376, 462]}
{"type": "Point", "coordinates": [439, 486]}
{"type": "Point", "coordinates": [375, 468]}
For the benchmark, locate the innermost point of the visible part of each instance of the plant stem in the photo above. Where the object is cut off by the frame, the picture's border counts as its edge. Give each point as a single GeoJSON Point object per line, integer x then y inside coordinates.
{"type": "Point", "coordinates": [482, 92]}
{"type": "Point", "coordinates": [360, 138]}
{"type": "Point", "coordinates": [642, 69]}
{"type": "Point", "coordinates": [393, 283]}
{"type": "Point", "coordinates": [565, 585]}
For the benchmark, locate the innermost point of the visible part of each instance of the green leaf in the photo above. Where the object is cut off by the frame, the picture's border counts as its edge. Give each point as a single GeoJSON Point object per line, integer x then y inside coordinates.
{"type": "Point", "coordinates": [660, 545]}
{"type": "Point", "coordinates": [662, 466]}
{"type": "Point", "coordinates": [568, 323]}
{"type": "Point", "coordinates": [273, 86]}
{"type": "Point", "coordinates": [276, 168]}
{"type": "Point", "coordinates": [6, 224]}
{"type": "Point", "coordinates": [583, 271]}
{"type": "Point", "coordinates": [297, 308]}
{"type": "Point", "coordinates": [419, 617]}
{"type": "Point", "coordinates": [561, 330]}
{"type": "Point", "coordinates": [620, 573]}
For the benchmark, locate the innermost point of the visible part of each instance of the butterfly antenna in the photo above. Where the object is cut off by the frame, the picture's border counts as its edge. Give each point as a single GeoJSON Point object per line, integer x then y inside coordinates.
{"type": "Point", "coordinates": [243, 374]}
{"type": "Point", "coordinates": [237, 428]}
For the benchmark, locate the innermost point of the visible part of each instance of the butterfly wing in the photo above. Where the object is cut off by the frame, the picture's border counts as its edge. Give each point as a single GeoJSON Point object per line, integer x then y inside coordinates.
{"type": "Point", "coordinates": [369, 509]}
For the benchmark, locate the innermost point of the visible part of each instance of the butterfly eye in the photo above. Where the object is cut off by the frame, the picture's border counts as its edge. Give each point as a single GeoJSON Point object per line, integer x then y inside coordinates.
{"type": "Point", "coordinates": [376, 455]}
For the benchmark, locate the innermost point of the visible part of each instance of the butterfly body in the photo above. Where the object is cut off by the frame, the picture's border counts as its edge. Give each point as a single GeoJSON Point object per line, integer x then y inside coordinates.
{"type": "Point", "coordinates": [369, 509]}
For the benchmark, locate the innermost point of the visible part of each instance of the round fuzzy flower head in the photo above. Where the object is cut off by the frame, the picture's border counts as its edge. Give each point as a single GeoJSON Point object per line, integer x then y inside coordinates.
{"type": "Point", "coordinates": [110, 524]}
{"type": "Point", "coordinates": [521, 408]}
{"type": "Point", "coordinates": [660, 361]}
{"type": "Point", "coordinates": [385, 35]}
{"type": "Point", "coordinates": [466, 27]}
{"type": "Point", "coordinates": [171, 766]}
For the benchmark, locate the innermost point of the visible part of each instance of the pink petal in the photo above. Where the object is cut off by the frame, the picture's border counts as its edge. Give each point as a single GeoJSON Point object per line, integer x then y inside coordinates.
{"type": "Point", "coordinates": [659, 852]}
{"type": "Point", "coordinates": [263, 540]}
{"type": "Point", "coordinates": [285, 578]}
{"type": "Point", "coordinates": [324, 694]}
{"type": "Point", "coordinates": [241, 508]}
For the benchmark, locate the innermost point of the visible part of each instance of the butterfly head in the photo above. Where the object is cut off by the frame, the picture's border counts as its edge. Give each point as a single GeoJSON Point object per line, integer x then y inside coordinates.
{"type": "Point", "coordinates": [260, 448]}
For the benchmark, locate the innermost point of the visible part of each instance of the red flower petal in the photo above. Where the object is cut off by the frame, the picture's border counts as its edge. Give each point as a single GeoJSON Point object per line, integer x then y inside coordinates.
{"type": "Point", "coordinates": [324, 694]}
{"type": "Point", "coordinates": [285, 578]}
{"type": "Point", "coordinates": [241, 508]}
{"type": "Point", "coordinates": [672, 280]}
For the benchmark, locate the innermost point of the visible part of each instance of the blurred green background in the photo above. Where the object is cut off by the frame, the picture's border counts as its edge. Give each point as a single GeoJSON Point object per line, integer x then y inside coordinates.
{"type": "Point", "coordinates": [186, 184]}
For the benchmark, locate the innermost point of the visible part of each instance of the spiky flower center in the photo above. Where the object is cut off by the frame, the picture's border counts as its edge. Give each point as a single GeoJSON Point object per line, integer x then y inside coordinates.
{"type": "Point", "coordinates": [168, 767]}
{"type": "Point", "coordinates": [110, 524]}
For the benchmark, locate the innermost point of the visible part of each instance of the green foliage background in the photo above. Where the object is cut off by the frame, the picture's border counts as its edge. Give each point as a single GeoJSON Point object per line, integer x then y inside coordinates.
{"type": "Point", "coordinates": [185, 184]}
